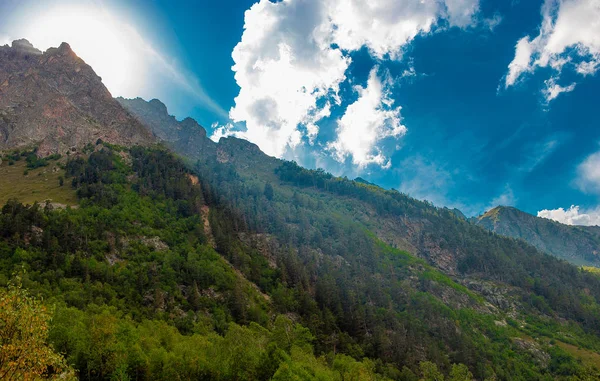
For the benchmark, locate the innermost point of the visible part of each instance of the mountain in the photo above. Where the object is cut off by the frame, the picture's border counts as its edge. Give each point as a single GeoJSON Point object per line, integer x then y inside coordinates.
{"type": "Point", "coordinates": [54, 100]}
{"type": "Point", "coordinates": [579, 245]}
{"type": "Point", "coordinates": [230, 264]}
{"type": "Point", "coordinates": [186, 137]}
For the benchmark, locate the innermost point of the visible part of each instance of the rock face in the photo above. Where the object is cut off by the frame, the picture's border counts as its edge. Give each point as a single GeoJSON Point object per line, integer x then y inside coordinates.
{"type": "Point", "coordinates": [186, 137]}
{"type": "Point", "coordinates": [579, 245]}
{"type": "Point", "coordinates": [55, 100]}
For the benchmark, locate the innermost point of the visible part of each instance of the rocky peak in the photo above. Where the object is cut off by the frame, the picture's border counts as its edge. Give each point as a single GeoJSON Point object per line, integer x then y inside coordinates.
{"type": "Point", "coordinates": [190, 125]}
{"type": "Point", "coordinates": [64, 50]}
{"type": "Point", "coordinates": [56, 101]}
{"type": "Point", "coordinates": [155, 116]}
{"type": "Point", "coordinates": [24, 46]}
{"type": "Point", "coordinates": [157, 105]}
{"type": "Point", "coordinates": [245, 155]}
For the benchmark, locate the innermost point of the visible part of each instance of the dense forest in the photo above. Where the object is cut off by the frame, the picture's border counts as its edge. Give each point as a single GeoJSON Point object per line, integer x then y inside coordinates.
{"type": "Point", "coordinates": [166, 270]}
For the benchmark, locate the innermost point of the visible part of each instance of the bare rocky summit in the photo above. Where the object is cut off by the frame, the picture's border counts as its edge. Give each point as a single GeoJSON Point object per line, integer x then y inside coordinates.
{"type": "Point", "coordinates": [56, 101]}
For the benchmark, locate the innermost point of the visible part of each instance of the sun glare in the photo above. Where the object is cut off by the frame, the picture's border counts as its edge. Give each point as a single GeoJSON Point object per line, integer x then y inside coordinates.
{"type": "Point", "coordinates": [98, 37]}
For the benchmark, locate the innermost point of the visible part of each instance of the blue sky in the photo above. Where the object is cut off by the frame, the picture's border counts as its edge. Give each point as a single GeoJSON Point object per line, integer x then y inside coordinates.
{"type": "Point", "coordinates": [466, 103]}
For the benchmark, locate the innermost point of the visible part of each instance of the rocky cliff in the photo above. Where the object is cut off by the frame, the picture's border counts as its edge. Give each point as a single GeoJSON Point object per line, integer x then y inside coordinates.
{"type": "Point", "coordinates": [56, 101]}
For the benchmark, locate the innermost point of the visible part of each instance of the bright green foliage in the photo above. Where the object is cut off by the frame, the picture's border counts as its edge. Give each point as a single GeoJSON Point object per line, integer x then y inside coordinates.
{"type": "Point", "coordinates": [430, 372]}
{"type": "Point", "coordinates": [460, 372]}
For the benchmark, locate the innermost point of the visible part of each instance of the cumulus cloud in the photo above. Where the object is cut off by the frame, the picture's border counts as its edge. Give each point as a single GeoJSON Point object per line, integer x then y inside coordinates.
{"type": "Point", "coordinates": [569, 30]}
{"type": "Point", "coordinates": [294, 55]}
{"type": "Point", "coordinates": [572, 216]}
{"type": "Point", "coordinates": [221, 131]}
{"type": "Point", "coordinates": [367, 121]}
{"type": "Point", "coordinates": [588, 174]}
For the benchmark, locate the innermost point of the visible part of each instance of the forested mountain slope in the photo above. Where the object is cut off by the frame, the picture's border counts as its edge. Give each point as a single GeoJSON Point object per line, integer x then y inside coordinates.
{"type": "Point", "coordinates": [141, 292]}
{"type": "Point", "coordinates": [138, 256]}
{"type": "Point", "coordinates": [577, 244]}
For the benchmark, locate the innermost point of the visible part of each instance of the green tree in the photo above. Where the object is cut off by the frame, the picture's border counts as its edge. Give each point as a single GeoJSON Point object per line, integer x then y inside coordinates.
{"type": "Point", "coordinates": [460, 372]}
{"type": "Point", "coordinates": [430, 372]}
{"type": "Point", "coordinates": [269, 191]}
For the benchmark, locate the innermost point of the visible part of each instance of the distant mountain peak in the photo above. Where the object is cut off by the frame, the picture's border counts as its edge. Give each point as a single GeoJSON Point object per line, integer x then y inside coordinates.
{"type": "Point", "coordinates": [157, 104]}
{"type": "Point", "coordinates": [187, 136]}
{"type": "Point", "coordinates": [577, 244]}
{"type": "Point", "coordinates": [65, 49]}
{"type": "Point", "coordinates": [24, 46]}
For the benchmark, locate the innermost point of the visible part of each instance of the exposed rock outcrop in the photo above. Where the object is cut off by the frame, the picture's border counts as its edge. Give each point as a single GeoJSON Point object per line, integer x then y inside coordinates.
{"type": "Point", "coordinates": [56, 101]}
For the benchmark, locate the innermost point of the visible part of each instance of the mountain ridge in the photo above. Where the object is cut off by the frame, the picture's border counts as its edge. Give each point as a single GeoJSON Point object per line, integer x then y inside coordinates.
{"type": "Point", "coordinates": [186, 136]}
{"type": "Point", "coordinates": [577, 244]}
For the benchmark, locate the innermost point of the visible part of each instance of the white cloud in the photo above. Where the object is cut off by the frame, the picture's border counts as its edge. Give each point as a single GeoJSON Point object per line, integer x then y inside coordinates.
{"type": "Point", "coordinates": [553, 89]}
{"type": "Point", "coordinates": [588, 174]}
{"type": "Point", "coordinates": [366, 122]}
{"type": "Point", "coordinates": [294, 55]}
{"type": "Point", "coordinates": [4, 40]}
{"type": "Point", "coordinates": [493, 22]}
{"type": "Point", "coordinates": [587, 68]}
{"type": "Point", "coordinates": [461, 12]}
{"type": "Point", "coordinates": [521, 61]}
{"type": "Point", "coordinates": [572, 216]}
{"type": "Point", "coordinates": [588, 181]}
{"type": "Point", "coordinates": [569, 29]}
{"type": "Point", "coordinates": [221, 131]}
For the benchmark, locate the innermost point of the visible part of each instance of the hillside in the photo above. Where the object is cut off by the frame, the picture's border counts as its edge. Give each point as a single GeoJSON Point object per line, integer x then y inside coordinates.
{"type": "Point", "coordinates": [31, 182]}
{"type": "Point", "coordinates": [55, 101]}
{"type": "Point", "coordinates": [579, 245]}
{"type": "Point", "coordinates": [165, 255]}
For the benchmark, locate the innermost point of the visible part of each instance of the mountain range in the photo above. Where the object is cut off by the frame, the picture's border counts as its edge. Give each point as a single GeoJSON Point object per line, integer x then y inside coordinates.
{"type": "Point", "coordinates": [184, 258]}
